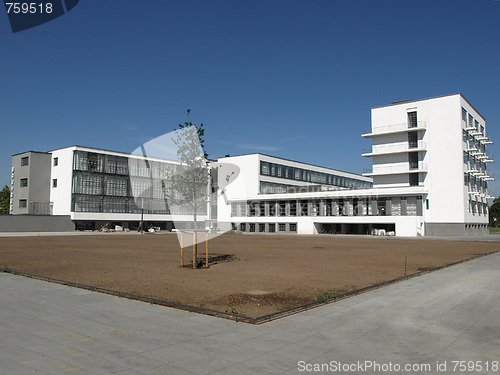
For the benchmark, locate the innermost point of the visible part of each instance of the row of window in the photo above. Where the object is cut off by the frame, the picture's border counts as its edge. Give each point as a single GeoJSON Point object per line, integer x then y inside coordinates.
{"type": "Point", "coordinates": [117, 165]}
{"type": "Point", "coordinates": [86, 203]}
{"type": "Point", "coordinates": [265, 227]}
{"type": "Point", "coordinates": [23, 182]}
{"type": "Point", "coordinates": [299, 174]}
{"type": "Point", "coordinates": [477, 208]}
{"type": "Point", "coordinates": [474, 163]}
{"type": "Point", "coordinates": [396, 206]}
{"type": "Point", "coordinates": [95, 184]}
{"type": "Point", "coordinates": [274, 188]}
{"type": "Point", "coordinates": [471, 122]}
{"type": "Point", "coordinates": [475, 183]}
{"type": "Point", "coordinates": [471, 142]}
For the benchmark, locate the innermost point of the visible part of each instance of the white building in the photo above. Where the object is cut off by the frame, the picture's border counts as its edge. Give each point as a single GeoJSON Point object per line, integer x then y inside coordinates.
{"type": "Point", "coordinates": [429, 177]}
{"type": "Point", "coordinates": [96, 187]}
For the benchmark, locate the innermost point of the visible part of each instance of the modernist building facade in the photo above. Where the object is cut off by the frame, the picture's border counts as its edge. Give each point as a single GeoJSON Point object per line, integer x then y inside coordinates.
{"type": "Point", "coordinates": [429, 177]}
{"type": "Point", "coordinates": [96, 188]}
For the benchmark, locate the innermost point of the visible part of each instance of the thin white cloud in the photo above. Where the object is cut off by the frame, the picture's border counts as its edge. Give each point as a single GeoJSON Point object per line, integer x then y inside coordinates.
{"type": "Point", "coordinates": [296, 138]}
{"type": "Point", "coordinates": [258, 147]}
{"type": "Point", "coordinates": [128, 126]}
{"type": "Point", "coordinates": [247, 146]}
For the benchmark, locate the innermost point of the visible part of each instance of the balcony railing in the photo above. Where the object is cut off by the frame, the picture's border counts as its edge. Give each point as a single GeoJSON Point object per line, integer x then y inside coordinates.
{"type": "Point", "coordinates": [396, 148]}
{"type": "Point", "coordinates": [396, 128]}
{"type": "Point", "coordinates": [397, 169]}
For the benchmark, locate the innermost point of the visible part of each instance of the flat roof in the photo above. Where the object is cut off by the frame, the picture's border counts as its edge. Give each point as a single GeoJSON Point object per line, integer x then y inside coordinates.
{"type": "Point", "coordinates": [34, 152]}
{"type": "Point", "coordinates": [435, 97]}
{"type": "Point", "coordinates": [86, 148]}
{"type": "Point", "coordinates": [92, 148]}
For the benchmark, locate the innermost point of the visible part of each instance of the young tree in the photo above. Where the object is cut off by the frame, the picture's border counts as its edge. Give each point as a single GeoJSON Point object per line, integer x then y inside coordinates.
{"type": "Point", "coordinates": [5, 200]}
{"type": "Point", "coordinates": [188, 184]}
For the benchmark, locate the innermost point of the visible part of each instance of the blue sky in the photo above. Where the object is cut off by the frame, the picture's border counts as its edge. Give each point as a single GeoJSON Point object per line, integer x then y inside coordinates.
{"type": "Point", "coordinates": [294, 79]}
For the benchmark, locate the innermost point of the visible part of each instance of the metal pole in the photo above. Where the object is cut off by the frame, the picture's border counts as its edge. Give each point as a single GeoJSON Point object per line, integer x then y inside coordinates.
{"type": "Point", "coordinates": [206, 250]}
{"type": "Point", "coordinates": [182, 249]}
{"type": "Point", "coordinates": [142, 216]}
{"type": "Point", "coordinates": [194, 250]}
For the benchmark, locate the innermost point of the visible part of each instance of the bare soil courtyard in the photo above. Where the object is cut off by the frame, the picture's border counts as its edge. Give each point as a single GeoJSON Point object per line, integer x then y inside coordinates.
{"type": "Point", "coordinates": [256, 275]}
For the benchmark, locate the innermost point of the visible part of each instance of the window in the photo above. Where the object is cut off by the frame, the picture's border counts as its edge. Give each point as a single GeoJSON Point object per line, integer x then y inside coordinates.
{"type": "Point", "coordinates": [413, 179]}
{"type": "Point", "coordinates": [293, 227]}
{"type": "Point", "coordinates": [23, 182]}
{"type": "Point", "coordinates": [282, 208]}
{"type": "Point", "coordinates": [272, 228]}
{"type": "Point", "coordinates": [282, 227]}
{"type": "Point", "coordinates": [412, 140]}
{"type": "Point", "coordinates": [25, 161]}
{"type": "Point", "coordinates": [243, 227]}
{"type": "Point", "coordinates": [471, 121]}
{"type": "Point", "coordinates": [55, 162]}
{"type": "Point", "coordinates": [264, 168]}
{"type": "Point", "coordinates": [23, 203]}
{"type": "Point", "coordinates": [54, 182]}
{"type": "Point", "coordinates": [272, 208]}
{"type": "Point", "coordinates": [412, 119]}
{"type": "Point", "coordinates": [251, 207]}
{"type": "Point", "coordinates": [262, 227]}
{"type": "Point", "coordinates": [252, 227]}
{"type": "Point", "coordinates": [413, 160]}
{"type": "Point", "coordinates": [464, 114]}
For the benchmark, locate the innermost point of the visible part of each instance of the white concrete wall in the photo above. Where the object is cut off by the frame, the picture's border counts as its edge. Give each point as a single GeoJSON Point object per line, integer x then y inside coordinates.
{"type": "Point", "coordinates": [63, 172]}
{"type": "Point", "coordinates": [471, 217]}
{"type": "Point", "coordinates": [443, 159]}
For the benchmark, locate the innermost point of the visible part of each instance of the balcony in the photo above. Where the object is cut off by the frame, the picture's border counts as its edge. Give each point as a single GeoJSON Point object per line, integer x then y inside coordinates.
{"type": "Point", "coordinates": [392, 129]}
{"type": "Point", "coordinates": [397, 148]}
{"type": "Point", "coordinates": [474, 132]}
{"type": "Point", "coordinates": [486, 140]}
{"type": "Point", "coordinates": [380, 170]}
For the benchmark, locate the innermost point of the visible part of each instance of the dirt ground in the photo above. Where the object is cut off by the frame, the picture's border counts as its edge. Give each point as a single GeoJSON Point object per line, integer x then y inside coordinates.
{"type": "Point", "coordinates": [262, 273]}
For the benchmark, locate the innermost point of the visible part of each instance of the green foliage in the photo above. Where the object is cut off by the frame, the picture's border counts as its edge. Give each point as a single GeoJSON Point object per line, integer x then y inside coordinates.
{"type": "Point", "coordinates": [235, 310]}
{"type": "Point", "coordinates": [495, 213]}
{"type": "Point", "coordinates": [4, 200]}
{"type": "Point", "coordinates": [322, 297]}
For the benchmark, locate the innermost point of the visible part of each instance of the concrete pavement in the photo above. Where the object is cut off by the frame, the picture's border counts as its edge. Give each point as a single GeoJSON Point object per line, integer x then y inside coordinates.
{"type": "Point", "coordinates": [425, 322]}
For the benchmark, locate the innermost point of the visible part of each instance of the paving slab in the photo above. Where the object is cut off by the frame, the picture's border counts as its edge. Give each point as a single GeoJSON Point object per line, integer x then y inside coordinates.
{"type": "Point", "coordinates": [430, 320]}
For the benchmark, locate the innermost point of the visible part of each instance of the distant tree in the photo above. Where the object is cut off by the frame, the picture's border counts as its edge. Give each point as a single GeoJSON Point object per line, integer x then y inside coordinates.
{"type": "Point", "coordinates": [495, 213]}
{"type": "Point", "coordinates": [5, 200]}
